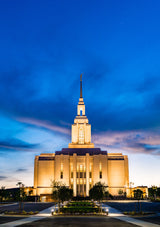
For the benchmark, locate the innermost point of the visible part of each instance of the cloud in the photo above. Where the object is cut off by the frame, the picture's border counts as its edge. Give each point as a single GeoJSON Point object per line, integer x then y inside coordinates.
{"type": "Point", "coordinates": [45, 125]}
{"type": "Point", "coordinates": [130, 141]}
{"type": "Point", "coordinates": [17, 145]}
{"type": "Point", "coordinates": [21, 170]}
{"type": "Point", "coordinates": [47, 94]}
{"type": "Point", "coordinates": [3, 178]}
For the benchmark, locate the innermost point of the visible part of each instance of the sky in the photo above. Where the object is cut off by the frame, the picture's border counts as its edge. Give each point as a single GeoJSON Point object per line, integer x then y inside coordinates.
{"type": "Point", "coordinates": [44, 47]}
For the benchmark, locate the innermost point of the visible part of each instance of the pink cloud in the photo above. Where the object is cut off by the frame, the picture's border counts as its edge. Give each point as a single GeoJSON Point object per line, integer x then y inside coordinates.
{"type": "Point", "coordinates": [130, 141]}
{"type": "Point", "coordinates": [44, 124]}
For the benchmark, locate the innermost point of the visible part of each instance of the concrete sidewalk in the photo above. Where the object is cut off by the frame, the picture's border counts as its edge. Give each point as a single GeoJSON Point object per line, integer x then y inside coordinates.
{"type": "Point", "coordinates": [113, 213]}
{"type": "Point", "coordinates": [118, 215]}
{"type": "Point", "coordinates": [41, 215]}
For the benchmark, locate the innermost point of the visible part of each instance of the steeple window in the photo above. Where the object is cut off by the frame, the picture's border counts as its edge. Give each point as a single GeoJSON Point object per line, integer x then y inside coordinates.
{"type": "Point", "coordinates": [61, 173]}
{"type": "Point", "coordinates": [81, 135]}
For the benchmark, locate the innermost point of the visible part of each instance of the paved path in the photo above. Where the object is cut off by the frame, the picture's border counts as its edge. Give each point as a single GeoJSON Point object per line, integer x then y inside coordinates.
{"type": "Point", "coordinates": [113, 214]}
{"type": "Point", "coordinates": [118, 215]}
{"type": "Point", "coordinates": [80, 221]}
{"type": "Point", "coordinates": [41, 215]}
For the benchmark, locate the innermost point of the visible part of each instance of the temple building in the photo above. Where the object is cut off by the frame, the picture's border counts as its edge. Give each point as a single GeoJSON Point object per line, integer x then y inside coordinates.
{"type": "Point", "coordinates": [81, 165]}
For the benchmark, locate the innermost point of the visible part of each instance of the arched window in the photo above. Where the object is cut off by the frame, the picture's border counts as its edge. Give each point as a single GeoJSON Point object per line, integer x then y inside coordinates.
{"type": "Point", "coordinates": [81, 112]}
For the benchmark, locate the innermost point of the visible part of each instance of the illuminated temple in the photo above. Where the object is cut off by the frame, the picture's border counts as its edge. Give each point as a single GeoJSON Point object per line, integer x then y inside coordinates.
{"type": "Point", "coordinates": [81, 165]}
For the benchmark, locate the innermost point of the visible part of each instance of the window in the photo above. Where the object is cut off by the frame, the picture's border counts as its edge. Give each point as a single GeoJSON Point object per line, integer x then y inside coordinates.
{"type": "Point", "coordinates": [77, 174]}
{"type": "Point", "coordinates": [81, 136]}
{"type": "Point", "coordinates": [81, 188]}
{"type": "Point", "coordinates": [90, 174]}
{"type": "Point", "coordinates": [81, 174]}
{"type": "Point", "coordinates": [84, 174]}
{"type": "Point", "coordinates": [71, 174]}
{"type": "Point", "coordinates": [81, 112]}
{"type": "Point", "coordinates": [61, 174]}
{"type": "Point", "coordinates": [100, 170]}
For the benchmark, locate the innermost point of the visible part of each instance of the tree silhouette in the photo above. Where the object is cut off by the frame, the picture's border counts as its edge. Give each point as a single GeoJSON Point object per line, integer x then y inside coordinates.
{"type": "Point", "coordinates": [138, 194]}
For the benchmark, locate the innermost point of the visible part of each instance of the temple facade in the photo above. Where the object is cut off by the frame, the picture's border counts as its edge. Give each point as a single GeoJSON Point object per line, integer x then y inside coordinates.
{"type": "Point", "coordinates": [81, 165]}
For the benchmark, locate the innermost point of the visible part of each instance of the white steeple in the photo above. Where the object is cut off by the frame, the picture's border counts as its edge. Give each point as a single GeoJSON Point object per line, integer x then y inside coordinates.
{"type": "Point", "coordinates": [81, 130]}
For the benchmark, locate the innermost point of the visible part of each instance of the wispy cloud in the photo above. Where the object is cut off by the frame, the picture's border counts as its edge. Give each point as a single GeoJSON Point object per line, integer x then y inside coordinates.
{"type": "Point", "coordinates": [21, 170]}
{"type": "Point", "coordinates": [44, 124]}
{"type": "Point", "coordinates": [130, 141]}
{"type": "Point", "coordinates": [15, 144]}
{"type": "Point", "coordinates": [3, 178]}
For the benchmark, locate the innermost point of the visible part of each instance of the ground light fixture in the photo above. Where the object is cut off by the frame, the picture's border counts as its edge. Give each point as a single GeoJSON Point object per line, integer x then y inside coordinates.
{"type": "Point", "coordinates": [52, 211]}
{"type": "Point", "coordinates": [107, 211]}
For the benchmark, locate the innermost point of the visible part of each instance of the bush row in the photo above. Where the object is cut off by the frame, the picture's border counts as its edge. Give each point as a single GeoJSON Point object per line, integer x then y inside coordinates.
{"type": "Point", "coordinates": [79, 210]}
{"type": "Point", "coordinates": [21, 213]}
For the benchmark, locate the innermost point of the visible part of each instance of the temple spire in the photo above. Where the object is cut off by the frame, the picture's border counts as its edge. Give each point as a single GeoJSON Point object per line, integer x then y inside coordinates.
{"type": "Point", "coordinates": [81, 86]}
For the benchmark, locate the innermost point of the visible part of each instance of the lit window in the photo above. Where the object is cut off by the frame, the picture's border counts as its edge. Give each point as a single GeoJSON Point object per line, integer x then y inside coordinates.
{"type": "Point", "coordinates": [100, 170]}
{"type": "Point", "coordinates": [81, 136]}
{"type": "Point", "coordinates": [100, 174]}
{"type": "Point", "coordinates": [61, 174]}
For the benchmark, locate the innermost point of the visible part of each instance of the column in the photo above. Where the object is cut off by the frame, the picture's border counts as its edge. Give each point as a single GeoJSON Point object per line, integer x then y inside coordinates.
{"type": "Point", "coordinates": [74, 174]}
{"type": "Point", "coordinates": [87, 174]}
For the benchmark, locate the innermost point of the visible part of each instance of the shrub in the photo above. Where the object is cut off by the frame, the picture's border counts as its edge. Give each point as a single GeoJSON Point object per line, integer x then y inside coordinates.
{"type": "Point", "coordinates": [133, 212]}
{"type": "Point", "coordinates": [30, 213]}
{"type": "Point", "coordinates": [24, 212]}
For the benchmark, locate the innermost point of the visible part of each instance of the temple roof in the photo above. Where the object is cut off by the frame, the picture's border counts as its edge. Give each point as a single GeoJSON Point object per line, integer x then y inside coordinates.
{"type": "Point", "coordinates": [81, 151]}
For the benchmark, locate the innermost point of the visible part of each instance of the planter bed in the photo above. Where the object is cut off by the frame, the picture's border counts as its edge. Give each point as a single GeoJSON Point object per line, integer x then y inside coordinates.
{"type": "Point", "coordinates": [80, 208]}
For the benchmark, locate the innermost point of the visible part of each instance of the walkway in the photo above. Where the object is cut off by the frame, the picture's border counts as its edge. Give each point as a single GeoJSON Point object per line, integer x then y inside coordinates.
{"type": "Point", "coordinates": [113, 213]}
{"type": "Point", "coordinates": [41, 215]}
{"type": "Point", "coordinates": [118, 215]}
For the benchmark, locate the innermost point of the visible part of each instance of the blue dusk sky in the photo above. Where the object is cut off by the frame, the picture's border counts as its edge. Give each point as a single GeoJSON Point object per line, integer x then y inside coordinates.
{"type": "Point", "coordinates": [45, 46]}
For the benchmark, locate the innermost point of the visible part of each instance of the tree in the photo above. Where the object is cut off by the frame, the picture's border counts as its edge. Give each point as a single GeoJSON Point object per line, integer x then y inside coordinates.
{"type": "Point", "coordinates": [21, 195]}
{"type": "Point", "coordinates": [106, 194]}
{"type": "Point", "coordinates": [3, 193]}
{"type": "Point", "coordinates": [61, 193]}
{"type": "Point", "coordinates": [120, 192]}
{"type": "Point", "coordinates": [138, 194]}
{"type": "Point", "coordinates": [153, 192]}
{"type": "Point", "coordinates": [97, 192]}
